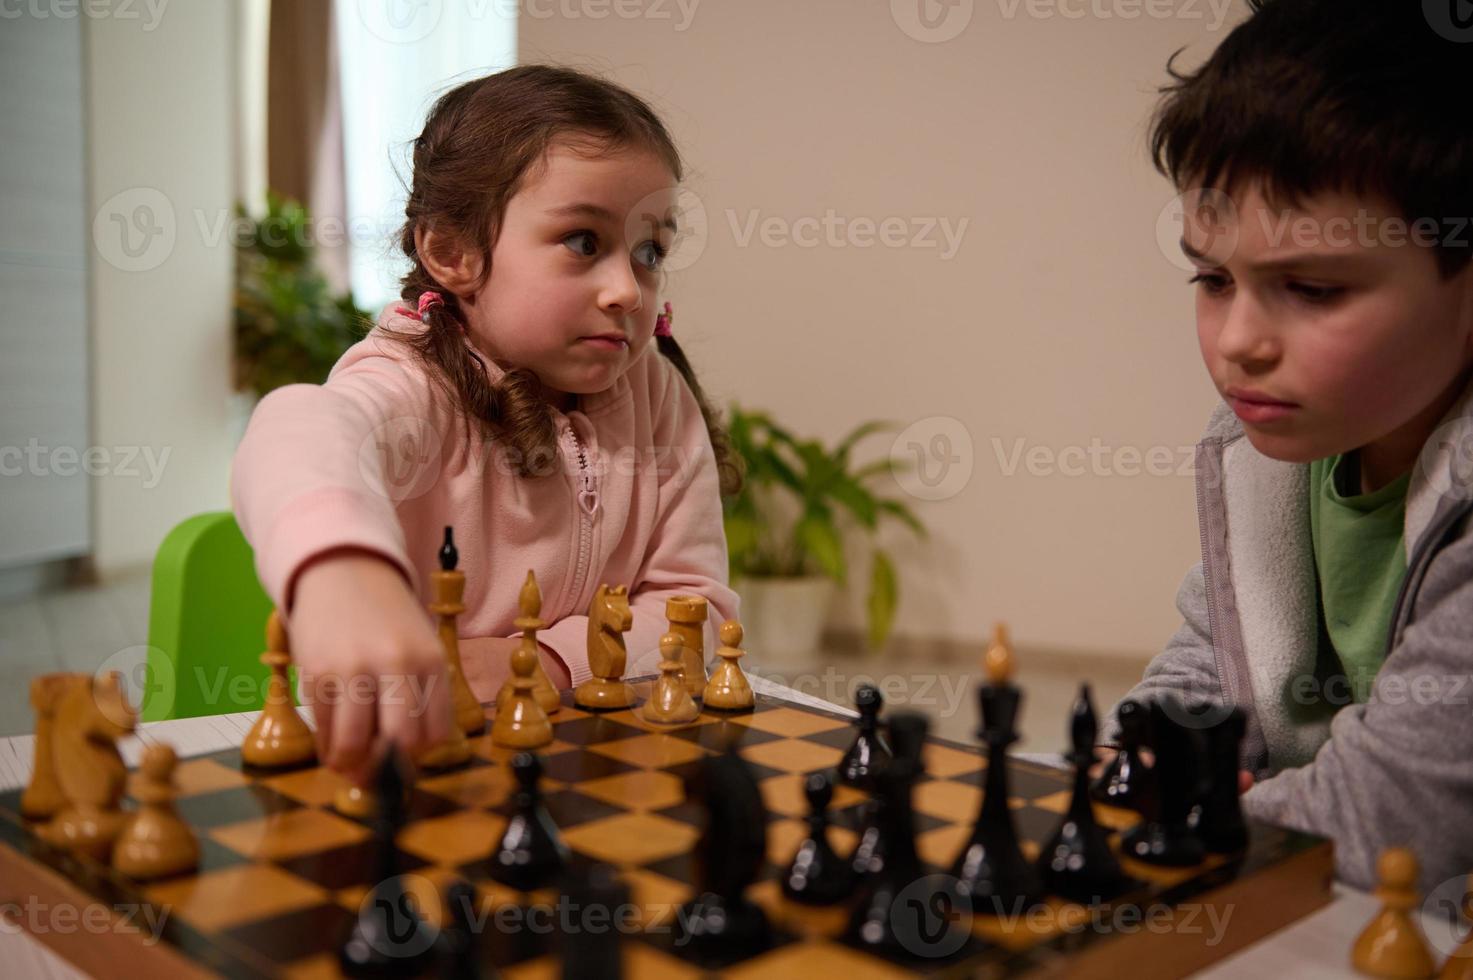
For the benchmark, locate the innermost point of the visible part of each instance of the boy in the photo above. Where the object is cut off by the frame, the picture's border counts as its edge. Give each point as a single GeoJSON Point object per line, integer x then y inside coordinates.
{"type": "Point", "coordinates": [1328, 175]}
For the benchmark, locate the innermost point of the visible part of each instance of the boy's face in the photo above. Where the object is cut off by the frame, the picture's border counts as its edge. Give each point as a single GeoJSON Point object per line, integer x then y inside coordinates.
{"type": "Point", "coordinates": [571, 294]}
{"type": "Point", "coordinates": [1324, 329]}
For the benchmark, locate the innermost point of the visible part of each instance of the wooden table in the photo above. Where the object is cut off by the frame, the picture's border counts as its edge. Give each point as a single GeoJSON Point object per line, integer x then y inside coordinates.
{"type": "Point", "coordinates": [1317, 946]}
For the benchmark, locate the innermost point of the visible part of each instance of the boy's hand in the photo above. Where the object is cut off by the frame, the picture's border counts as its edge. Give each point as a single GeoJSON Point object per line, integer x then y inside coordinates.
{"type": "Point", "coordinates": [1107, 756]}
{"type": "Point", "coordinates": [371, 663]}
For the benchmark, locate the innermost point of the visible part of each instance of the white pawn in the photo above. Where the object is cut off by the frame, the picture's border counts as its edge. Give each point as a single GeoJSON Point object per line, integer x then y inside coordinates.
{"type": "Point", "coordinates": [670, 702]}
{"type": "Point", "coordinates": [154, 842]}
{"type": "Point", "coordinates": [728, 690]}
{"type": "Point", "coordinates": [1391, 945]}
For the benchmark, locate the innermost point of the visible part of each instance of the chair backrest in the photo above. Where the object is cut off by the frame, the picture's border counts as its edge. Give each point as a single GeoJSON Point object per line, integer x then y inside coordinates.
{"type": "Point", "coordinates": [206, 623]}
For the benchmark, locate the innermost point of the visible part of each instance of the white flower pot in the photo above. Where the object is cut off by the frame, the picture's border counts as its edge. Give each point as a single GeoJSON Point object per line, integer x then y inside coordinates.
{"type": "Point", "coordinates": [783, 618]}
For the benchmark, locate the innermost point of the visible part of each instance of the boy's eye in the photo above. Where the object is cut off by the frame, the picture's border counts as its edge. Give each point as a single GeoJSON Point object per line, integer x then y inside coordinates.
{"type": "Point", "coordinates": [1211, 283]}
{"type": "Point", "coordinates": [650, 255]}
{"type": "Point", "coordinates": [584, 243]}
{"type": "Point", "coordinates": [1316, 294]}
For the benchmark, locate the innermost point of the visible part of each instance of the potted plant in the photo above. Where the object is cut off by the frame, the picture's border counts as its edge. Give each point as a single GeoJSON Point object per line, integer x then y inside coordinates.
{"type": "Point", "coordinates": [785, 533]}
{"type": "Point", "coordinates": [289, 327]}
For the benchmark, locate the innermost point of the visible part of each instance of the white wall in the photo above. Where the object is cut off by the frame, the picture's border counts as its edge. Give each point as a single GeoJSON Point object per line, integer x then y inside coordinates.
{"type": "Point", "coordinates": [160, 156]}
{"type": "Point", "coordinates": [1058, 322]}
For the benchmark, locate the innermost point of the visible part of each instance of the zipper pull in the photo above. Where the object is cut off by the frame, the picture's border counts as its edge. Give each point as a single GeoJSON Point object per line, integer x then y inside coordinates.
{"type": "Point", "coordinates": [588, 497]}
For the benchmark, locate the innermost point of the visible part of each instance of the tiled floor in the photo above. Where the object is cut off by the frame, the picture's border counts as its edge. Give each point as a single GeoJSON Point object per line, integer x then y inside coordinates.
{"type": "Point", "coordinates": [75, 629]}
{"type": "Point", "coordinates": [85, 628]}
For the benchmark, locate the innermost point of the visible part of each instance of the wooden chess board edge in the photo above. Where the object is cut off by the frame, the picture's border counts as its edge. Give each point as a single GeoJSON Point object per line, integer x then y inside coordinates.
{"type": "Point", "coordinates": [121, 949]}
{"type": "Point", "coordinates": [1274, 897]}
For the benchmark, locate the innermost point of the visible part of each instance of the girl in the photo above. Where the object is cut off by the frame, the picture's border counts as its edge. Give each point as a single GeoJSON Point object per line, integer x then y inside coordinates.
{"type": "Point", "coordinates": [516, 397]}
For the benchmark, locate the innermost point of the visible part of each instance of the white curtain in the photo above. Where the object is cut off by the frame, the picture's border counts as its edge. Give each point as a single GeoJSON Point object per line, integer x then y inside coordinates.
{"type": "Point", "coordinates": [396, 57]}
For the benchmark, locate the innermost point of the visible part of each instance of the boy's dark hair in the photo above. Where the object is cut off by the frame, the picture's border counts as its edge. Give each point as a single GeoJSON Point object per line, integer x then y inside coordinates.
{"type": "Point", "coordinates": [1367, 97]}
{"type": "Point", "coordinates": [479, 142]}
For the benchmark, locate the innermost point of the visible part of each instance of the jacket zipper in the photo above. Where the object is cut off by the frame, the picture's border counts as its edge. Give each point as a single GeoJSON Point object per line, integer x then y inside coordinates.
{"type": "Point", "coordinates": [1221, 660]}
{"type": "Point", "coordinates": [1417, 568]}
{"type": "Point", "coordinates": [587, 502]}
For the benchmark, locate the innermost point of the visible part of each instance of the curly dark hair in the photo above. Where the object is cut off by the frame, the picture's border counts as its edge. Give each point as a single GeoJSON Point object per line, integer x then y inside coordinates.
{"type": "Point", "coordinates": [479, 141]}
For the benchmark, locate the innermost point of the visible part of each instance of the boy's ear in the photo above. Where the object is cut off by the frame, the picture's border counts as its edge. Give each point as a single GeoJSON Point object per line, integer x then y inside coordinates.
{"type": "Point", "coordinates": [446, 257]}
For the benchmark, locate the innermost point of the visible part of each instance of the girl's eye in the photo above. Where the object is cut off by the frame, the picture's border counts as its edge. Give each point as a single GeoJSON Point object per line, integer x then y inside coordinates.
{"type": "Point", "coordinates": [584, 243]}
{"type": "Point", "coordinates": [1316, 294]}
{"type": "Point", "coordinates": [1211, 283]}
{"type": "Point", "coordinates": [650, 255]}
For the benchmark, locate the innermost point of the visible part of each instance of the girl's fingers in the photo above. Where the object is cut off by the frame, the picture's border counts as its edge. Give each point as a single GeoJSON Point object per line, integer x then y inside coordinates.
{"type": "Point", "coordinates": [352, 733]}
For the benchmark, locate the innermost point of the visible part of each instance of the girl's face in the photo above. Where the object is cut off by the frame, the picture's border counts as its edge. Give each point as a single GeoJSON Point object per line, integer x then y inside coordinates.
{"type": "Point", "coordinates": [571, 293]}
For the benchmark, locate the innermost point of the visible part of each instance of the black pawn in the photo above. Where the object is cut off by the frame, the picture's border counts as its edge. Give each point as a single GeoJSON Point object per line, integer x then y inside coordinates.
{"type": "Point", "coordinates": [530, 855]}
{"type": "Point", "coordinates": [721, 925]}
{"type": "Point", "coordinates": [1076, 862]}
{"type": "Point", "coordinates": [869, 853]}
{"type": "Point", "coordinates": [1220, 823]}
{"type": "Point", "coordinates": [593, 949]}
{"type": "Point", "coordinates": [458, 948]}
{"type": "Point", "coordinates": [990, 869]}
{"type": "Point", "coordinates": [1126, 781]}
{"type": "Point", "coordinates": [1167, 837]}
{"type": "Point", "coordinates": [869, 750]}
{"type": "Point", "coordinates": [818, 876]}
{"type": "Point", "coordinates": [899, 906]}
{"type": "Point", "coordinates": [389, 938]}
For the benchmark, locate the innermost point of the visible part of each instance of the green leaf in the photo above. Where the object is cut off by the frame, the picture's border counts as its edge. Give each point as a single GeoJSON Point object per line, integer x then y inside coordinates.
{"type": "Point", "coordinates": [873, 469]}
{"type": "Point", "coordinates": [883, 598]}
{"type": "Point", "coordinates": [904, 513]}
{"type": "Point", "coordinates": [847, 443]}
{"type": "Point", "coordinates": [819, 539]}
{"type": "Point", "coordinates": [743, 534]}
{"type": "Point", "coordinates": [859, 501]}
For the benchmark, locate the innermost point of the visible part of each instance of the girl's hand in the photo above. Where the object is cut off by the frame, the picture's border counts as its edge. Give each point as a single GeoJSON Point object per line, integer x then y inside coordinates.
{"type": "Point", "coordinates": [371, 663]}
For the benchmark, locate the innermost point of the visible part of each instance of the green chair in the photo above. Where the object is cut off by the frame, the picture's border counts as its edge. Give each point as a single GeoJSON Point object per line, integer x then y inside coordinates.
{"type": "Point", "coordinates": [206, 623]}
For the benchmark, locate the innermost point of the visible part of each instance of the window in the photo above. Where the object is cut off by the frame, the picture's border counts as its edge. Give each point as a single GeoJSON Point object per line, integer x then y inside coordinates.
{"type": "Point", "coordinates": [396, 57]}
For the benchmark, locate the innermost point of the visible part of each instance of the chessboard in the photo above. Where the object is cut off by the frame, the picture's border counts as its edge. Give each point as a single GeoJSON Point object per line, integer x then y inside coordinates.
{"type": "Point", "coordinates": [282, 875]}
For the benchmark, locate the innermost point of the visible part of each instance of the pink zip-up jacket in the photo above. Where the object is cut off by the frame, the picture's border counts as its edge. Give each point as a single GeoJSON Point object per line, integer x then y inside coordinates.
{"type": "Point", "coordinates": [375, 458]}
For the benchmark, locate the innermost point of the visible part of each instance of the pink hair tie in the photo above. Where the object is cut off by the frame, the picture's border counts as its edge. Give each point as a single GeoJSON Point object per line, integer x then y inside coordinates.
{"type": "Point", "coordinates": [663, 321]}
{"type": "Point", "coordinates": [428, 300]}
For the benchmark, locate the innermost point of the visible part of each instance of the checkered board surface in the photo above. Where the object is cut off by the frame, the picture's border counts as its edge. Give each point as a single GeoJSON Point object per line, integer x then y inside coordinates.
{"type": "Point", "coordinates": [282, 874]}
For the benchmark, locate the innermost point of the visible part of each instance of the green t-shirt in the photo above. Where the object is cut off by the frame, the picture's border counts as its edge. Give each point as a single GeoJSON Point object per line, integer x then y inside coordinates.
{"type": "Point", "coordinates": [1360, 555]}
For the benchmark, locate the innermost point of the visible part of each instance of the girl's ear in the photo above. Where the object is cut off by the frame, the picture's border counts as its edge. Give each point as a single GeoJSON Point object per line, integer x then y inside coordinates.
{"type": "Point", "coordinates": [453, 265]}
